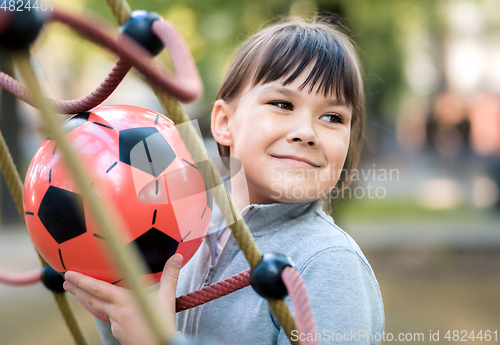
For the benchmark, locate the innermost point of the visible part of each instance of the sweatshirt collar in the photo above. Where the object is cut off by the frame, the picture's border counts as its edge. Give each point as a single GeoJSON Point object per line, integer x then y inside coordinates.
{"type": "Point", "coordinates": [262, 216]}
{"type": "Point", "coordinates": [259, 217]}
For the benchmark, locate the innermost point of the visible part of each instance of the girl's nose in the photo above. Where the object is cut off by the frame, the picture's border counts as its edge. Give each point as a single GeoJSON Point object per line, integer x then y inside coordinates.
{"type": "Point", "coordinates": [303, 132]}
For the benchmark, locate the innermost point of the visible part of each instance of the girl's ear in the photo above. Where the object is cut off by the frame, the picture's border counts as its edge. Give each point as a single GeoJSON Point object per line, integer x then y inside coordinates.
{"type": "Point", "coordinates": [220, 123]}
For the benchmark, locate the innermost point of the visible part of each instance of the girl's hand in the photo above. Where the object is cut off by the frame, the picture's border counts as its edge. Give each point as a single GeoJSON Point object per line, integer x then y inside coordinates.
{"type": "Point", "coordinates": [127, 322]}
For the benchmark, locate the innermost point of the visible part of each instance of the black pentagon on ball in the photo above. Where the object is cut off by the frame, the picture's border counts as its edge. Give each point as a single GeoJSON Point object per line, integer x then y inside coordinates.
{"type": "Point", "coordinates": [156, 247]}
{"type": "Point", "coordinates": [52, 279]}
{"type": "Point", "coordinates": [139, 27]}
{"type": "Point", "coordinates": [25, 25]}
{"type": "Point", "coordinates": [62, 214]}
{"type": "Point", "coordinates": [73, 122]}
{"type": "Point", "coordinates": [145, 149]}
{"type": "Point", "coordinates": [266, 279]}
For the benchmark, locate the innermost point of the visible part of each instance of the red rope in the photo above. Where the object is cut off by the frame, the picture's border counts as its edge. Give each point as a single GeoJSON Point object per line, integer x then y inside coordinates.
{"type": "Point", "coordinates": [185, 85]}
{"type": "Point", "coordinates": [213, 291]}
{"type": "Point", "coordinates": [199, 297]}
{"type": "Point", "coordinates": [298, 294]}
{"type": "Point", "coordinates": [92, 100]}
{"type": "Point", "coordinates": [26, 278]}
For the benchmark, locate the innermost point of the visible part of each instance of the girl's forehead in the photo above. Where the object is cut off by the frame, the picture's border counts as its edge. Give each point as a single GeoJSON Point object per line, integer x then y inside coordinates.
{"type": "Point", "coordinates": [308, 77]}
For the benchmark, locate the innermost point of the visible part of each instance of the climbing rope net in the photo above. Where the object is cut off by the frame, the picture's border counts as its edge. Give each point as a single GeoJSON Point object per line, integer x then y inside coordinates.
{"type": "Point", "coordinates": [185, 85]}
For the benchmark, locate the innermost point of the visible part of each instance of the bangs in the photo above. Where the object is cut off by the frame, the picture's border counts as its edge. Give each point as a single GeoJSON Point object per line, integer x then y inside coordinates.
{"type": "Point", "coordinates": [293, 49]}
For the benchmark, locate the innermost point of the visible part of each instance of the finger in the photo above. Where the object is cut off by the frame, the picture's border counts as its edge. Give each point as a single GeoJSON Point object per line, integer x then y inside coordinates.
{"type": "Point", "coordinates": [170, 274]}
{"type": "Point", "coordinates": [97, 288]}
{"type": "Point", "coordinates": [86, 298]}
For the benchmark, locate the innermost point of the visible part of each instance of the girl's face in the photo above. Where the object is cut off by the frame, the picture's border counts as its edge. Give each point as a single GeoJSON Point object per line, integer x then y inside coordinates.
{"type": "Point", "coordinates": [292, 143]}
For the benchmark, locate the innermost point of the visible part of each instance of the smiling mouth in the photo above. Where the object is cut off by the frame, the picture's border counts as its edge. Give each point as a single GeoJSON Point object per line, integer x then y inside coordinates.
{"type": "Point", "coordinates": [295, 162]}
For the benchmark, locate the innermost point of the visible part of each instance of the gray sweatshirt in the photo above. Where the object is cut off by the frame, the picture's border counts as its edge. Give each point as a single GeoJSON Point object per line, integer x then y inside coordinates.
{"type": "Point", "coordinates": [342, 288]}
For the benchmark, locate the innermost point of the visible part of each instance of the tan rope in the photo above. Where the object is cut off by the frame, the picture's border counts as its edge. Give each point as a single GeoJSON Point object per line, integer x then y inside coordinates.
{"type": "Point", "coordinates": [11, 175]}
{"type": "Point", "coordinates": [15, 185]}
{"type": "Point", "coordinates": [121, 10]}
{"type": "Point", "coordinates": [127, 258]}
{"type": "Point", "coordinates": [69, 317]}
{"type": "Point", "coordinates": [285, 317]}
{"type": "Point", "coordinates": [13, 180]}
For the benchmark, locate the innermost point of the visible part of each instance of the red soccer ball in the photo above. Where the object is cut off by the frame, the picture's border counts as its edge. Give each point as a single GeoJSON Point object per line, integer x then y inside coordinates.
{"type": "Point", "coordinates": [138, 162]}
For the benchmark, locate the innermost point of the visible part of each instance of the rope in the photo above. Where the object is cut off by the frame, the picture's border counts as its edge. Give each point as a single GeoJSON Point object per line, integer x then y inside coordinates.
{"type": "Point", "coordinates": [199, 297]}
{"type": "Point", "coordinates": [213, 291]}
{"type": "Point", "coordinates": [69, 318]}
{"type": "Point", "coordinates": [92, 100]}
{"type": "Point", "coordinates": [11, 175]}
{"type": "Point", "coordinates": [298, 294]}
{"type": "Point", "coordinates": [185, 85]}
{"type": "Point", "coordinates": [25, 278]}
{"type": "Point", "coordinates": [121, 10]}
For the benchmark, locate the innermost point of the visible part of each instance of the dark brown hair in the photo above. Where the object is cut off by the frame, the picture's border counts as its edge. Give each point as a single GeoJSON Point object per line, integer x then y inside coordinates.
{"type": "Point", "coordinates": [282, 52]}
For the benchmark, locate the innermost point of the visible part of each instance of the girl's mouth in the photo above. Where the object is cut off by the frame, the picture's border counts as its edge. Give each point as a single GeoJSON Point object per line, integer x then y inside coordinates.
{"type": "Point", "coordinates": [294, 161]}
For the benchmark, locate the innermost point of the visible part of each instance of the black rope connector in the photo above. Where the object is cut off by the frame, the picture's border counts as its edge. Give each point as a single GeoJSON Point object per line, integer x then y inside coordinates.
{"type": "Point", "coordinates": [22, 25]}
{"type": "Point", "coordinates": [266, 279]}
{"type": "Point", "coordinates": [139, 27]}
{"type": "Point", "coordinates": [52, 279]}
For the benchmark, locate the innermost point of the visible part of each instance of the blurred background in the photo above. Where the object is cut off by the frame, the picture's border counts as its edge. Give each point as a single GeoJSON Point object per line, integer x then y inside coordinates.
{"type": "Point", "coordinates": [424, 206]}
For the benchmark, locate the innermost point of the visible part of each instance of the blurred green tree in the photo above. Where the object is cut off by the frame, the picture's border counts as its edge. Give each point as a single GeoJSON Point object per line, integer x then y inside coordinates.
{"type": "Point", "coordinates": [213, 29]}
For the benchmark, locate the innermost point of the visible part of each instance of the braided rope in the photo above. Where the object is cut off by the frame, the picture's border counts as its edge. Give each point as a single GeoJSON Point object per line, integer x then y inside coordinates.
{"type": "Point", "coordinates": [185, 85]}
{"type": "Point", "coordinates": [121, 10]}
{"type": "Point", "coordinates": [213, 291]}
{"type": "Point", "coordinates": [69, 318]}
{"type": "Point", "coordinates": [92, 100]}
{"type": "Point", "coordinates": [11, 175]}
{"type": "Point", "coordinates": [298, 294]}
{"type": "Point", "coordinates": [199, 297]}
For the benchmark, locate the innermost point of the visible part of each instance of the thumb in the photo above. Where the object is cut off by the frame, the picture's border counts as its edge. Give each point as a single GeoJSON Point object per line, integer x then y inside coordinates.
{"type": "Point", "coordinates": [170, 275]}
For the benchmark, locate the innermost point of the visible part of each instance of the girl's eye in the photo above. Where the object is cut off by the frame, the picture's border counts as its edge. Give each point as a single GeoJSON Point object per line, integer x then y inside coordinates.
{"type": "Point", "coordinates": [282, 104]}
{"type": "Point", "coordinates": [333, 118]}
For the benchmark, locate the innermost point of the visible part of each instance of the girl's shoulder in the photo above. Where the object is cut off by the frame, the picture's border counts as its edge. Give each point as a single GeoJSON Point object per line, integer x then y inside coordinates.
{"type": "Point", "coordinates": [312, 238]}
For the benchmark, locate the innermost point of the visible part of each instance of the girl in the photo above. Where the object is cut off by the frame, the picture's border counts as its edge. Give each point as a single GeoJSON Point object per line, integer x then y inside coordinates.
{"type": "Point", "coordinates": [291, 110]}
